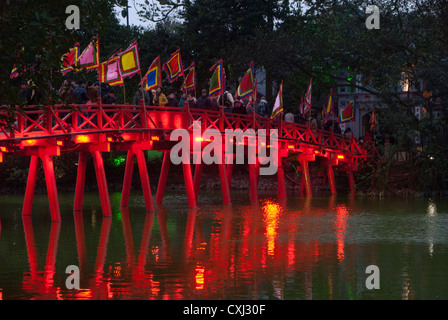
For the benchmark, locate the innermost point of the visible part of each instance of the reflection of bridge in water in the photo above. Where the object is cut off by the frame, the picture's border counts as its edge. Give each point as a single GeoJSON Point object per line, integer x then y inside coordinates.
{"type": "Point", "coordinates": [208, 261]}
{"type": "Point", "coordinates": [94, 129]}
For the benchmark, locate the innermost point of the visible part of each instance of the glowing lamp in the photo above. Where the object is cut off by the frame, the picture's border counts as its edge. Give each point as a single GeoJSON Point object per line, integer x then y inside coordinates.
{"type": "Point", "coordinates": [155, 138]}
{"type": "Point", "coordinates": [82, 139]}
{"type": "Point", "coordinates": [341, 157]}
{"type": "Point", "coordinates": [30, 142]}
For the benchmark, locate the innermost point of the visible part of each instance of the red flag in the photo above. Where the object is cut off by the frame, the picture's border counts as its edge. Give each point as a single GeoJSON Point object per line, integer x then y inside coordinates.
{"type": "Point", "coordinates": [307, 102]}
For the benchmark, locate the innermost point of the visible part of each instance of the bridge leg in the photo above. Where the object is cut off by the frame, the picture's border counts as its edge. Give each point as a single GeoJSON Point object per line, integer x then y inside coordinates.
{"type": "Point", "coordinates": [229, 172]}
{"type": "Point", "coordinates": [306, 180]}
{"type": "Point", "coordinates": [331, 182]}
{"type": "Point", "coordinates": [224, 184]}
{"type": "Point", "coordinates": [144, 177]}
{"type": "Point", "coordinates": [102, 183]}
{"type": "Point", "coordinates": [30, 186]}
{"type": "Point", "coordinates": [127, 179]}
{"type": "Point", "coordinates": [80, 181]}
{"type": "Point", "coordinates": [189, 185]}
{"type": "Point", "coordinates": [51, 187]}
{"type": "Point", "coordinates": [281, 179]}
{"type": "Point", "coordinates": [351, 183]}
{"type": "Point", "coordinates": [197, 175]}
{"type": "Point", "coordinates": [163, 177]}
{"type": "Point", "coordinates": [253, 182]}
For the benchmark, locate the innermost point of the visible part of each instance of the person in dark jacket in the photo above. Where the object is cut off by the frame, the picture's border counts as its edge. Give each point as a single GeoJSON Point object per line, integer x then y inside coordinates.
{"type": "Point", "coordinates": [239, 107]}
{"type": "Point", "coordinates": [138, 96]}
{"type": "Point", "coordinates": [172, 101]}
{"type": "Point", "coordinates": [110, 98]}
{"type": "Point", "coordinates": [263, 108]}
{"type": "Point", "coordinates": [92, 92]}
{"type": "Point", "coordinates": [204, 101]}
{"type": "Point", "coordinates": [80, 93]}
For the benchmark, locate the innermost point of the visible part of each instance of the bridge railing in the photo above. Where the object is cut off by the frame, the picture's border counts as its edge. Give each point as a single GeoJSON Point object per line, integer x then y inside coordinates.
{"type": "Point", "coordinates": [64, 119]}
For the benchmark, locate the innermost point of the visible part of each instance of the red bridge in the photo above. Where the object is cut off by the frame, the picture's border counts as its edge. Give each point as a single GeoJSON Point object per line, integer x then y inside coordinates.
{"type": "Point", "coordinates": [45, 132]}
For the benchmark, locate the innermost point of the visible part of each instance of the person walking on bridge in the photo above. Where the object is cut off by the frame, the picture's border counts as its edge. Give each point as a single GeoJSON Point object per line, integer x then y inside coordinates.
{"type": "Point", "coordinates": [160, 99]}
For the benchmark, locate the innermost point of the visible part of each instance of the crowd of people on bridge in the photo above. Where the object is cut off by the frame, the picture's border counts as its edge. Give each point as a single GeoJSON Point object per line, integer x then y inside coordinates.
{"type": "Point", "coordinates": [80, 92]}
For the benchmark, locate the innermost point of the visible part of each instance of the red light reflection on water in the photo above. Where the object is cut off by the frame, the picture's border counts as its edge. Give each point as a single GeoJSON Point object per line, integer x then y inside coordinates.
{"type": "Point", "coordinates": [271, 212]}
{"type": "Point", "coordinates": [214, 253]}
{"type": "Point", "coordinates": [341, 226]}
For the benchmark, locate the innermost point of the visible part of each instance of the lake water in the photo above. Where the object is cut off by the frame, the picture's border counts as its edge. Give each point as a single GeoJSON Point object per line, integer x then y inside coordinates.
{"type": "Point", "coordinates": [301, 248]}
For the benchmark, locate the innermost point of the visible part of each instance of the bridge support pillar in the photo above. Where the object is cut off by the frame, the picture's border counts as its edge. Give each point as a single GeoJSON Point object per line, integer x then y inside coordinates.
{"type": "Point", "coordinates": [50, 181]}
{"type": "Point", "coordinates": [281, 179]}
{"type": "Point", "coordinates": [144, 178]}
{"type": "Point", "coordinates": [229, 171]}
{"type": "Point", "coordinates": [163, 177]}
{"type": "Point", "coordinates": [197, 175]}
{"type": "Point", "coordinates": [80, 181]}
{"type": "Point", "coordinates": [102, 183]}
{"type": "Point", "coordinates": [189, 185]}
{"type": "Point", "coordinates": [351, 183]}
{"type": "Point", "coordinates": [100, 178]}
{"type": "Point", "coordinates": [129, 169]}
{"type": "Point", "coordinates": [224, 183]}
{"type": "Point", "coordinates": [306, 179]}
{"type": "Point", "coordinates": [253, 178]}
{"type": "Point", "coordinates": [331, 182]}
{"type": "Point", "coordinates": [30, 186]}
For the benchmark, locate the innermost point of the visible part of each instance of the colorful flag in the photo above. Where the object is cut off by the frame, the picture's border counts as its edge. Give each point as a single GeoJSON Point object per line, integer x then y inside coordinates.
{"type": "Point", "coordinates": [190, 79]}
{"type": "Point", "coordinates": [129, 63]}
{"type": "Point", "coordinates": [217, 81]}
{"type": "Point", "coordinates": [110, 72]}
{"type": "Point", "coordinates": [173, 66]}
{"type": "Point", "coordinates": [246, 87]}
{"type": "Point", "coordinates": [278, 105]}
{"type": "Point", "coordinates": [69, 59]}
{"type": "Point", "coordinates": [90, 57]}
{"type": "Point", "coordinates": [153, 77]}
{"type": "Point", "coordinates": [348, 113]}
{"type": "Point", "coordinates": [328, 110]}
{"type": "Point", "coordinates": [14, 73]}
{"type": "Point", "coordinates": [307, 102]}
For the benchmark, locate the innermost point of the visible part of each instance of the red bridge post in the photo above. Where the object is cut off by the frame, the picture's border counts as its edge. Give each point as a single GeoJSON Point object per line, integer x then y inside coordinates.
{"type": "Point", "coordinates": [102, 183]}
{"type": "Point", "coordinates": [127, 179]}
{"type": "Point", "coordinates": [80, 181]}
{"type": "Point", "coordinates": [30, 186]}
{"type": "Point", "coordinates": [163, 177]}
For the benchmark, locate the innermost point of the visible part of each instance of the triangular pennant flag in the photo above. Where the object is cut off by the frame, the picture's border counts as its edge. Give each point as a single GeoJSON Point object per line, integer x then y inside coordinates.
{"type": "Point", "coordinates": [348, 113]}
{"type": "Point", "coordinates": [173, 66]}
{"type": "Point", "coordinates": [14, 73]}
{"type": "Point", "coordinates": [246, 86]}
{"type": "Point", "coordinates": [328, 110]}
{"type": "Point", "coordinates": [90, 57]}
{"type": "Point", "coordinates": [129, 63]}
{"type": "Point", "coordinates": [69, 59]}
{"type": "Point", "coordinates": [153, 77]}
{"type": "Point", "coordinates": [278, 105]}
{"type": "Point", "coordinates": [217, 80]}
{"type": "Point", "coordinates": [307, 101]}
{"type": "Point", "coordinates": [190, 79]}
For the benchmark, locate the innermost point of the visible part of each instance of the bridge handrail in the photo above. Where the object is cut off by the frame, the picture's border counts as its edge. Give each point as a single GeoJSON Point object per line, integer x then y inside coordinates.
{"type": "Point", "coordinates": [74, 118]}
